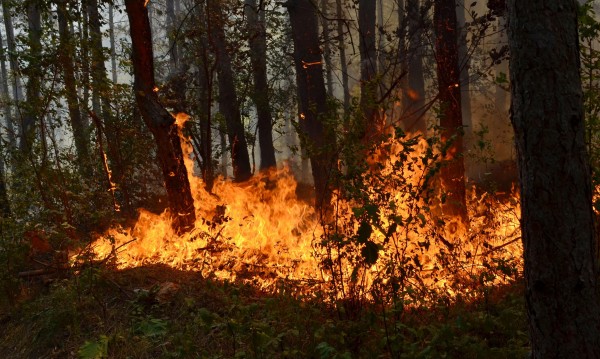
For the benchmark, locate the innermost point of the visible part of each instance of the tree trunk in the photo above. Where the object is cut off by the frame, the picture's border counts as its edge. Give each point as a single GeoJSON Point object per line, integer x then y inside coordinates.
{"type": "Point", "coordinates": [414, 98]}
{"type": "Point", "coordinates": [33, 71]}
{"type": "Point", "coordinates": [8, 113]}
{"type": "Point", "coordinates": [12, 51]}
{"type": "Point", "coordinates": [453, 173]}
{"type": "Point", "coordinates": [159, 121]}
{"type": "Point", "coordinates": [371, 125]}
{"type": "Point", "coordinates": [342, 50]}
{"type": "Point", "coordinates": [316, 137]}
{"type": "Point", "coordinates": [556, 195]}
{"type": "Point", "coordinates": [111, 34]}
{"type": "Point", "coordinates": [257, 35]}
{"type": "Point", "coordinates": [327, 46]}
{"type": "Point", "coordinates": [464, 61]}
{"type": "Point", "coordinates": [65, 57]}
{"type": "Point", "coordinates": [229, 105]}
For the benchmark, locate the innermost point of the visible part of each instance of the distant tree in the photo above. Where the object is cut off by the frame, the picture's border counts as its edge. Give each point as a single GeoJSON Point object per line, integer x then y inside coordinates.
{"type": "Point", "coordinates": [448, 76]}
{"type": "Point", "coordinates": [557, 219]}
{"type": "Point", "coordinates": [34, 74]}
{"type": "Point", "coordinates": [342, 50]}
{"type": "Point", "coordinates": [257, 39]}
{"type": "Point", "coordinates": [414, 98]}
{"type": "Point", "coordinates": [159, 121]}
{"type": "Point", "coordinates": [66, 60]}
{"type": "Point", "coordinates": [229, 105]}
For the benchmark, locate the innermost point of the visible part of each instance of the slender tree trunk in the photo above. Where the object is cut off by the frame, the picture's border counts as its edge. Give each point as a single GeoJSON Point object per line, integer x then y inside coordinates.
{"type": "Point", "coordinates": [8, 113]}
{"type": "Point", "coordinates": [342, 49]}
{"type": "Point", "coordinates": [159, 121]}
{"type": "Point", "coordinates": [464, 62]}
{"type": "Point", "coordinates": [228, 102]}
{"type": "Point", "coordinates": [65, 58]}
{"type": "Point", "coordinates": [316, 137]}
{"type": "Point", "coordinates": [414, 98]}
{"type": "Point", "coordinates": [34, 83]}
{"type": "Point", "coordinates": [453, 173]}
{"type": "Point", "coordinates": [258, 56]}
{"type": "Point", "coordinates": [371, 125]}
{"type": "Point", "coordinates": [12, 51]}
{"type": "Point", "coordinates": [557, 219]}
{"type": "Point", "coordinates": [327, 46]}
{"type": "Point", "coordinates": [111, 34]}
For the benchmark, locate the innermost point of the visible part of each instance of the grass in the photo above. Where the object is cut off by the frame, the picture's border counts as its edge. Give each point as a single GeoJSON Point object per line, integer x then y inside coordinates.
{"type": "Point", "coordinates": [104, 313]}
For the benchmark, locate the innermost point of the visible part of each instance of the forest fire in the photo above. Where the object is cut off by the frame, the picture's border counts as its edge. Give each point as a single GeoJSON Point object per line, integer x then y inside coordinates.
{"type": "Point", "coordinates": [259, 232]}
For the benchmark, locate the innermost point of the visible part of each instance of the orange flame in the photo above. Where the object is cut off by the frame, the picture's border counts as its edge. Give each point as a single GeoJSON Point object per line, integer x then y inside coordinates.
{"type": "Point", "coordinates": [261, 233]}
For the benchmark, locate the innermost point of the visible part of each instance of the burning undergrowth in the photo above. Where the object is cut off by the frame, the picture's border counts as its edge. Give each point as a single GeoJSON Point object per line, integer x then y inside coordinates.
{"type": "Point", "coordinates": [384, 239]}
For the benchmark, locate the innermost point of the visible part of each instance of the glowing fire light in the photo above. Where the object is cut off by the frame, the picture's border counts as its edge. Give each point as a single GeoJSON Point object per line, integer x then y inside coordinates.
{"type": "Point", "coordinates": [259, 232]}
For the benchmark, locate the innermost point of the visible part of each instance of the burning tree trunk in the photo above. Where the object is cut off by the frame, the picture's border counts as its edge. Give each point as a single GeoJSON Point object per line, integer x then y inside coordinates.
{"type": "Point", "coordinates": [229, 105]}
{"type": "Point", "coordinates": [159, 121]}
{"type": "Point", "coordinates": [258, 56]}
{"type": "Point", "coordinates": [316, 137]}
{"type": "Point", "coordinates": [556, 194]}
{"type": "Point", "coordinates": [453, 174]}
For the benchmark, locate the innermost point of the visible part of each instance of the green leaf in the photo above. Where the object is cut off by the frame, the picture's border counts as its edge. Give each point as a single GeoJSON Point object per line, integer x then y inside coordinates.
{"type": "Point", "coordinates": [152, 327]}
{"type": "Point", "coordinates": [94, 350]}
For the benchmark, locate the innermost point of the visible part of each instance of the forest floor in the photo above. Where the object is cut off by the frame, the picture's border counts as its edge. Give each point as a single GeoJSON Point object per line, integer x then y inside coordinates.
{"type": "Point", "coordinates": [159, 312]}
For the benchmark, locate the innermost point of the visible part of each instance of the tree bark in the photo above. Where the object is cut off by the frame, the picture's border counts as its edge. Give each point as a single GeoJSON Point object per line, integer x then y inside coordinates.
{"type": "Point", "coordinates": [327, 46]}
{"type": "Point", "coordinates": [453, 173]}
{"type": "Point", "coordinates": [159, 121]}
{"type": "Point", "coordinates": [229, 105]}
{"type": "Point", "coordinates": [258, 56]}
{"type": "Point", "coordinates": [65, 57]}
{"type": "Point", "coordinates": [12, 50]}
{"type": "Point", "coordinates": [316, 137]}
{"type": "Point", "coordinates": [556, 194]}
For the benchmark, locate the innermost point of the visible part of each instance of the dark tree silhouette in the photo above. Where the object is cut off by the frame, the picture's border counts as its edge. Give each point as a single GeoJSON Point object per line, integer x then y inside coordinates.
{"type": "Point", "coordinates": [556, 195]}
{"type": "Point", "coordinates": [159, 121]}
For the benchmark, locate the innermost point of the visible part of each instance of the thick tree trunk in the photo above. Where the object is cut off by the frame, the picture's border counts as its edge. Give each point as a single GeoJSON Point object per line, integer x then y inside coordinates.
{"type": "Point", "coordinates": [371, 125]}
{"type": "Point", "coordinates": [453, 173]}
{"type": "Point", "coordinates": [229, 105]}
{"type": "Point", "coordinates": [65, 57]}
{"type": "Point", "coordinates": [159, 121]}
{"type": "Point", "coordinates": [257, 35]}
{"type": "Point", "coordinates": [34, 73]}
{"type": "Point", "coordinates": [556, 194]}
{"type": "Point", "coordinates": [317, 138]}
{"type": "Point", "coordinates": [414, 98]}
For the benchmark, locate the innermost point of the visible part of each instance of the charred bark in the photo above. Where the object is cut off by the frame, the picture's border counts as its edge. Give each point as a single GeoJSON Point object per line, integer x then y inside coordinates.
{"type": "Point", "coordinates": [453, 173]}
{"type": "Point", "coordinates": [556, 193]}
{"type": "Point", "coordinates": [258, 56]}
{"type": "Point", "coordinates": [316, 137]}
{"type": "Point", "coordinates": [159, 121]}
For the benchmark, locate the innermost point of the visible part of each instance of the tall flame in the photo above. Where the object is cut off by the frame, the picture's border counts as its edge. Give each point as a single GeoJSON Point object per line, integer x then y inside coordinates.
{"type": "Point", "coordinates": [261, 233]}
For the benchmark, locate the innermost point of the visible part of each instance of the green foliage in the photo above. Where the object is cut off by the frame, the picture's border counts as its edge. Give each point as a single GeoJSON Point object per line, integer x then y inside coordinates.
{"type": "Point", "coordinates": [97, 349]}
